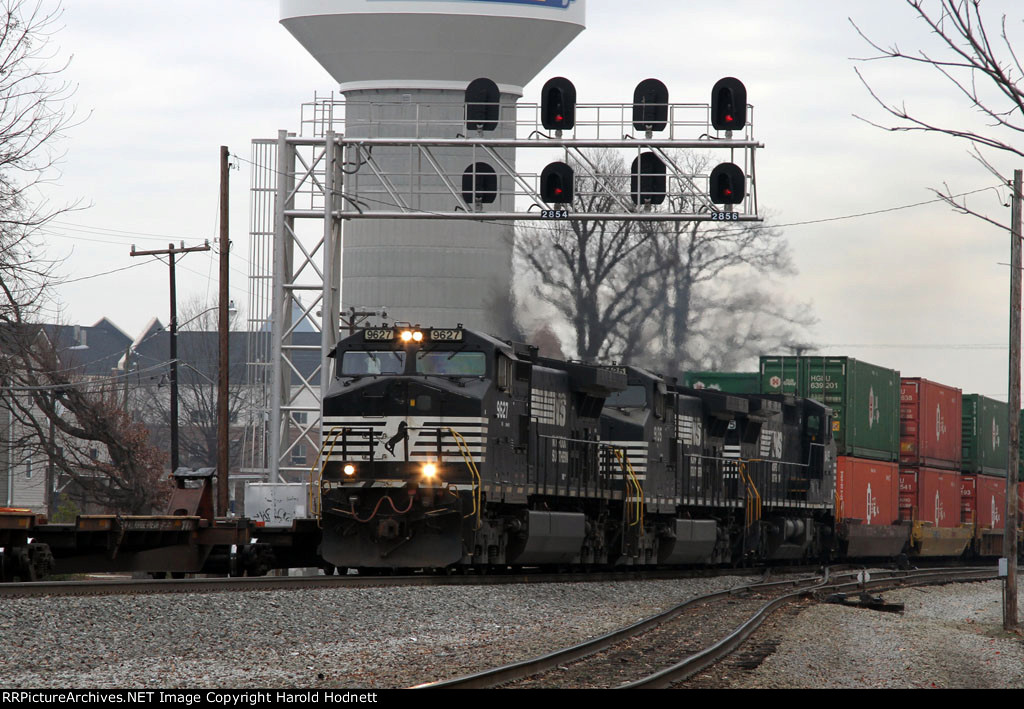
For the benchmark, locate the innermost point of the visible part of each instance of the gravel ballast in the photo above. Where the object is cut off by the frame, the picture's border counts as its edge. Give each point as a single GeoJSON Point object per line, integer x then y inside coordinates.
{"type": "Point", "coordinates": [949, 636]}
{"type": "Point", "coordinates": [374, 637]}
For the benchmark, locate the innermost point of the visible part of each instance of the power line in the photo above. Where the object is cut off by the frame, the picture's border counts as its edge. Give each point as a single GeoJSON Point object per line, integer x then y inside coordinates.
{"type": "Point", "coordinates": [917, 346]}
{"type": "Point", "coordinates": [104, 273]}
{"type": "Point", "coordinates": [117, 234]}
{"type": "Point", "coordinates": [747, 227]}
{"type": "Point", "coordinates": [111, 231]}
{"type": "Point", "coordinates": [90, 382]}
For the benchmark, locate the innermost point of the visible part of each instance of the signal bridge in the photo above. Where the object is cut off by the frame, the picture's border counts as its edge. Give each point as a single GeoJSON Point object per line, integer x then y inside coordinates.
{"type": "Point", "coordinates": [480, 158]}
{"type": "Point", "coordinates": [657, 187]}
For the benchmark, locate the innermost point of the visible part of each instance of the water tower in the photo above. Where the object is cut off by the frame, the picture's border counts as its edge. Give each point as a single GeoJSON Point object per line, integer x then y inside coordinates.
{"type": "Point", "coordinates": [403, 67]}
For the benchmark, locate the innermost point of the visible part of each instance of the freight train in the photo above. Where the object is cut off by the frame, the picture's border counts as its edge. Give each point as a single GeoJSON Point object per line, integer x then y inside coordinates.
{"type": "Point", "coordinates": [451, 449]}
{"type": "Point", "coordinates": [448, 448]}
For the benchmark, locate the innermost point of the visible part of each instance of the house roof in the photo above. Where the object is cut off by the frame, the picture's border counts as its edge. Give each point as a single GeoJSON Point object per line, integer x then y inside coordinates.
{"type": "Point", "coordinates": [93, 350]}
{"type": "Point", "coordinates": [100, 350]}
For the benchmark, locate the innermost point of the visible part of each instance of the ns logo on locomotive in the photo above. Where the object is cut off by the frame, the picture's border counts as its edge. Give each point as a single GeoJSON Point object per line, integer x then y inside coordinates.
{"type": "Point", "coordinates": [445, 447]}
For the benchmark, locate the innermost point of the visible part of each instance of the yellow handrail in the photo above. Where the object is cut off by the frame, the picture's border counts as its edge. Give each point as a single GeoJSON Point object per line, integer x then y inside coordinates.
{"type": "Point", "coordinates": [317, 502]}
{"type": "Point", "coordinates": [333, 434]}
{"type": "Point", "coordinates": [630, 475]}
{"type": "Point", "coordinates": [467, 455]}
{"type": "Point", "coordinates": [753, 511]}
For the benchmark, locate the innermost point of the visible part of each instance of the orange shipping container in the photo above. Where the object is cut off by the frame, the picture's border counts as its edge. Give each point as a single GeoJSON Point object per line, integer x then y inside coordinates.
{"type": "Point", "coordinates": [990, 508]}
{"type": "Point", "coordinates": [930, 426]}
{"type": "Point", "coordinates": [908, 483]}
{"type": "Point", "coordinates": [938, 498]}
{"type": "Point", "coordinates": [867, 490]}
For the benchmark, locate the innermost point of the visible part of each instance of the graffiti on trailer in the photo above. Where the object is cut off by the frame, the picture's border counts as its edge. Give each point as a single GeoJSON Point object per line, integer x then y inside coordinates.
{"type": "Point", "coordinates": [278, 512]}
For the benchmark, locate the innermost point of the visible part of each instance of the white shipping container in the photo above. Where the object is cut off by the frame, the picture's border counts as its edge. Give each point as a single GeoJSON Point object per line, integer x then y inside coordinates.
{"type": "Point", "coordinates": [276, 504]}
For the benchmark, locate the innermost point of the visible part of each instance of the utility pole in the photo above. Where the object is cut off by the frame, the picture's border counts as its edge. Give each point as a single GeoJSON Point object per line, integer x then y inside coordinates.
{"type": "Point", "coordinates": [1010, 527]}
{"type": "Point", "coordinates": [171, 252]}
{"type": "Point", "coordinates": [224, 363]}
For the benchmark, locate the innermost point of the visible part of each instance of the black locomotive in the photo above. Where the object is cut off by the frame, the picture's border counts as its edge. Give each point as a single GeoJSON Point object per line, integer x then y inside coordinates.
{"type": "Point", "coordinates": [448, 447]}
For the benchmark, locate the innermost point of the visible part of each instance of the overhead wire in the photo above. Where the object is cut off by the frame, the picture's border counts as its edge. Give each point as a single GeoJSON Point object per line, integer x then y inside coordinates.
{"type": "Point", "coordinates": [745, 227]}
{"type": "Point", "coordinates": [103, 273]}
{"type": "Point", "coordinates": [88, 383]}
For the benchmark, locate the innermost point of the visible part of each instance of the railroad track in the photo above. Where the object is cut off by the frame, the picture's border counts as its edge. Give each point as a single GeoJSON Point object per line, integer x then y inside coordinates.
{"type": "Point", "coordinates": [122, 585]}
{"type": "Point", "coordinates": [624, 658]}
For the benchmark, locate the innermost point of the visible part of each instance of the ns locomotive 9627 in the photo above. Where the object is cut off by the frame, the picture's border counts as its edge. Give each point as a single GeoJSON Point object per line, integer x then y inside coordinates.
{"type": "Point", "coordinates": [447, 447]}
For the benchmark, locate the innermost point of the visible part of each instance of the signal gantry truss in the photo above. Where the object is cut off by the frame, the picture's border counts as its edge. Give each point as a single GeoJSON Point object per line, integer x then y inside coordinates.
{"type": "Point", "coordinates": [349, 165]}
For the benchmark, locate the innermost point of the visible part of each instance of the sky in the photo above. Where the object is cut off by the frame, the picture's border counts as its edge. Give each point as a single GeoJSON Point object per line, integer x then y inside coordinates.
{"type": "Point", "coordinates": [161, 86]}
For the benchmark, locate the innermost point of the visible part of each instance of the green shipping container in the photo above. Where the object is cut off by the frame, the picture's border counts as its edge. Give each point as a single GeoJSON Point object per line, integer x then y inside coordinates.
{"type": "Point", "coordinates": [985, 423]}
{"type": "Point", "coordinates": [729, 382]}
{"type": "Point", "coordinates": [864, 398]}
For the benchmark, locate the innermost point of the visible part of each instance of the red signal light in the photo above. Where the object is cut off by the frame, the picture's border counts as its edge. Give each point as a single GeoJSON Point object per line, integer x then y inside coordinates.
{"type": "Point", "coordinates": [726, 184]}
{"type": "Point", "coordinates": [556, 184]}
{"type": "Point", "coordinates": [729, 104]}
{"type": "Point", "coordinates": [558, 104]}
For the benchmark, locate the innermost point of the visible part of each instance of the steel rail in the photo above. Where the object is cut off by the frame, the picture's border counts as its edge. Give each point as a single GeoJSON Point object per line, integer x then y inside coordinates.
{"type": "Point", "coordinates": [518, 670]}
{"type": "Point", "coordinates": [121, 585]}
{"type": "Point", "coordinates": [714, 653]}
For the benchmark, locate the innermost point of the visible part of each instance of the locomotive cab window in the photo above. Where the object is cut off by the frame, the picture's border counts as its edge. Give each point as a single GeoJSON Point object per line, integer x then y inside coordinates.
{"type": "Point", "coordinates": [630, 397]}
{"type": "Point", "coordinates": [453, 364]}
{"type": "Point", "coordinates": [355, 364]}
{"type": "Point", "coordinates": [814, 426]}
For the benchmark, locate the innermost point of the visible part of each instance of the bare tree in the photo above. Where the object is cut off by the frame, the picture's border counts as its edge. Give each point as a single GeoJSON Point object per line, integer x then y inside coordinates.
{"type": "Point", "coordinates": [80, 424]}
{"type": "Point", "coordinates": [717, 303]}
{"type": "Point", "coordinates": [975, 62]}
{"type": "Point", "coordinates": [33, 113]}
{"type": "Point", "coordinates": [982, 68]}
{"type": "Point", "coordinates": [669, 295]}
{"type": "Point", "coordinates": [46, 405]}
{"type": "Point", "coordinates": [590, 271]}
{"type": "Point", "coordinates": [198, 350]}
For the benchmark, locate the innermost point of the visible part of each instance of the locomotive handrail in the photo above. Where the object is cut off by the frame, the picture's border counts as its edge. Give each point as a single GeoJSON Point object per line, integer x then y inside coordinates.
{"type": "Point", "coordinates": [317, 503]}
{"type": "Point", "coordinates": [753, 511]}
{"type": "Point", "coordinates": [336, 431]}
{"type": "Point", "coordinates": [627, 469]}
{"type": "Point", "coordinates": [477, 480]}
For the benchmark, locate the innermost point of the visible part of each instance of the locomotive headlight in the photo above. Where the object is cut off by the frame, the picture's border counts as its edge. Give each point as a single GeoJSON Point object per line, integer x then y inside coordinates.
{"type": "Point", "coordinates": [350, 469]}
{"type": "Point", "coordinates": [406, 335]}
{"type": "Point", "coordinates": [417, 336]}
{"type": "Point", "coordinates": [429, 470]}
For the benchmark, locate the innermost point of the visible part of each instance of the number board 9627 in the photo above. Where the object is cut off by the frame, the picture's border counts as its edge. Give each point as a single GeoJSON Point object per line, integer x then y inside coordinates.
{"type": "Point", "coordinates": [378, 334]}
{"type": "Point", "coordinates": [450, 335]}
